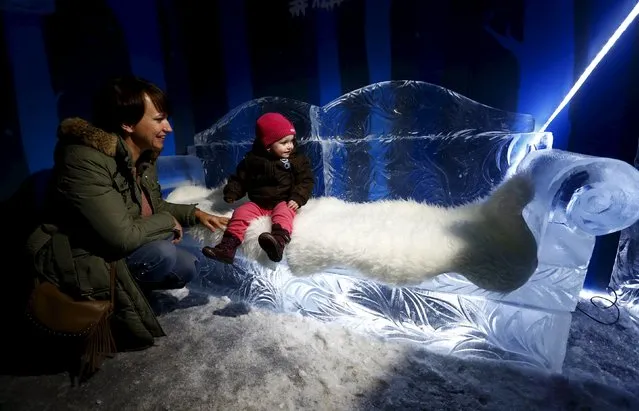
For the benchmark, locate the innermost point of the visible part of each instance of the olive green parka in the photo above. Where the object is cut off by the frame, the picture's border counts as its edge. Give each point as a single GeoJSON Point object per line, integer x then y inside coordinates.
{"type": "Point", "coordinates": [93, 219]}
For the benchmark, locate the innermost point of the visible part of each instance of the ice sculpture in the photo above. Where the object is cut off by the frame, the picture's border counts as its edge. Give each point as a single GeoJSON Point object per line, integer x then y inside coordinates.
{"type": "Point", "coordinates": [414, 140]}
{"type": "Point", "coordinates": [625, 273]}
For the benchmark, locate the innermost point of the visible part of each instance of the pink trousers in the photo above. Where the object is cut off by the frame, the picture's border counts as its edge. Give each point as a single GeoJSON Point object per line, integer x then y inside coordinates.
{"type": "Point", "coordinates": [244, 214]}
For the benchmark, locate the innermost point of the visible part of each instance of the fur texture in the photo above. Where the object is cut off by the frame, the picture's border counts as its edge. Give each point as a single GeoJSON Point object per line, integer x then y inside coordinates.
{"type": "Point", "coordinates": [77, 130]}
{"type": "Point", "coordinates": [400, 242]}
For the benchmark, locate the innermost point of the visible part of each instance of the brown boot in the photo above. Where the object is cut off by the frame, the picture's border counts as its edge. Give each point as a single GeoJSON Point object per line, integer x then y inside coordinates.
{"type": "Point", "coordinates": [225, 250]}
{"type": "Point", "coordinates": [273, 243]}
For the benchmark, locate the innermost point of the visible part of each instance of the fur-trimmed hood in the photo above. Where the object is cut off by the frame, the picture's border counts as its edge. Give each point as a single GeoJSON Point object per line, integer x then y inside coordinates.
{"type": "Point", "coordinates": [75, 130]}
{"type": "Point", "coordinates": [78, 131]}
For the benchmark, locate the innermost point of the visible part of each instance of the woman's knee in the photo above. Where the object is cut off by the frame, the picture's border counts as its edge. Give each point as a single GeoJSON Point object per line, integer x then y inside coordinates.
{"type": "Point", "coordinates": [153, 260]}
{"type": "Point", "coordinates": [162, 264]}
{"type": "Point", "coordinates": [186, 265]}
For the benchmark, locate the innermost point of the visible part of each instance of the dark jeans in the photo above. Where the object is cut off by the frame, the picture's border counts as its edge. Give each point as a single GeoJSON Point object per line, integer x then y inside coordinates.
{"type": "Point", "coordinates": [160, 265]}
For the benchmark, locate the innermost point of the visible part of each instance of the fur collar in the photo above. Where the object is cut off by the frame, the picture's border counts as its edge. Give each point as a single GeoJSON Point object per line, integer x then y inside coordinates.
{"type": "Point", "coordinates": [78, 131]}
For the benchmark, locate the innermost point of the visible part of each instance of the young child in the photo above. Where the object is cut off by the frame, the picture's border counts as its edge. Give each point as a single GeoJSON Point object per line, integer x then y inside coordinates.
{"type": "Point", "coordinates": [278, 181]}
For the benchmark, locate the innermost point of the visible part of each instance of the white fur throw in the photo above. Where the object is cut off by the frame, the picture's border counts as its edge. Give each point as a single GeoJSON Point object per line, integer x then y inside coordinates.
{"type": "Point", "coordinates": [398, 242]}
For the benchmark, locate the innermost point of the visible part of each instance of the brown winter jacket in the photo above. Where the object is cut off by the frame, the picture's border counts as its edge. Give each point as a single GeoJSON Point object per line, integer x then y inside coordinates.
{"type": "Point", "coordinates": [267, 181]}
{"type": "Point", "coordinates": [93, 210]}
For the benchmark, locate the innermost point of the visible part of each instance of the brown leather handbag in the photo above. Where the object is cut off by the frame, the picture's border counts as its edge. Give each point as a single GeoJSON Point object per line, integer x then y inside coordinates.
{"type": "Point", "coordinates": [86, 321]}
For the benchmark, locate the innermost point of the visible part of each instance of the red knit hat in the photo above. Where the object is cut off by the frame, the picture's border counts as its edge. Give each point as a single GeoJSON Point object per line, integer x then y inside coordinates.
{"type": "Point", "coordinates": [272, 127]}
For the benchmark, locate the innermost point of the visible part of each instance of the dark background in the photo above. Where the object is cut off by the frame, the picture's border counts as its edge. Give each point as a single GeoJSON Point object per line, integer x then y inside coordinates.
{"type": "Point", "coordinates": [516, 55]}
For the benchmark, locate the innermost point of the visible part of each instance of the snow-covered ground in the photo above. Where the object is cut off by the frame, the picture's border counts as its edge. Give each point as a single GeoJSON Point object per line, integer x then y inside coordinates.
{"type": "Point", "coordinates": [221, 355]}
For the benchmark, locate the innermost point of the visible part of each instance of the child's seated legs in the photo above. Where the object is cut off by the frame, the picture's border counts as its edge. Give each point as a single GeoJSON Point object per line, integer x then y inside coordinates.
{"type": "Point", "coordinates": [273, 243]}
{"type": "Point", "coordinates": [234, 234]}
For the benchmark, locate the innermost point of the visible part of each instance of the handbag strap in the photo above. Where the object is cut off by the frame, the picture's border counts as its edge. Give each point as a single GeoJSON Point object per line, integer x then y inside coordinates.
{"type": "Point", "coordinates": [66, 265]}
{"type": "Point", "coordinates": [64, 259]}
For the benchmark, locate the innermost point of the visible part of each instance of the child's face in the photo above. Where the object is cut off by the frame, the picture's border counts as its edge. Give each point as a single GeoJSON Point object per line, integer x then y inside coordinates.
{"type": "Point", "coordinates": [283, 147]}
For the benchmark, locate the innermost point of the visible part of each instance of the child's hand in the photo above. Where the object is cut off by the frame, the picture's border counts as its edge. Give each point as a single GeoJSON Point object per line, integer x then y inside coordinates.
{"type": "Point", "coordinates": [293, 205]}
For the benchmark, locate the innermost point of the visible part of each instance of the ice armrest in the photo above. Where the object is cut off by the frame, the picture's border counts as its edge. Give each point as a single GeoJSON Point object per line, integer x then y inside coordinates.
{"type": "Point", "coordinates": [596, 195]}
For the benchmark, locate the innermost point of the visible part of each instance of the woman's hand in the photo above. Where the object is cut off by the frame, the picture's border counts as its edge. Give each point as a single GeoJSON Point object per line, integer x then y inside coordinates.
{"type": "Point", "coordinates": [178, 232]}
{"type": "Point", "coordinates": [212, 222]}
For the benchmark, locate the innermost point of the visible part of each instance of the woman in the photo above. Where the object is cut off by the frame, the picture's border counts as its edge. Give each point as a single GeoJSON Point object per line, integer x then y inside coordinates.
{"type": "Point", "coordinates": [105, 209]}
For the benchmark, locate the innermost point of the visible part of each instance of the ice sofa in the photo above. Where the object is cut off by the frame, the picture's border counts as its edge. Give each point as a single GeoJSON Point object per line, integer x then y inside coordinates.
{"type": "Point", "coordinates": [407, 139]}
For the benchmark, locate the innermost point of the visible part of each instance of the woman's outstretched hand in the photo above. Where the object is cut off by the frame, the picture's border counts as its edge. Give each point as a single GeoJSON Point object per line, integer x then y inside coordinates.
{"type": "Point", "coordinates": [212, 222]}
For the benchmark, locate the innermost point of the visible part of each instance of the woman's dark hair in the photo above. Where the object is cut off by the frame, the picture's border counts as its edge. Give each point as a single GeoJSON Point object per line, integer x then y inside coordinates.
{"type": "Point", "coordinates": [121, 101]}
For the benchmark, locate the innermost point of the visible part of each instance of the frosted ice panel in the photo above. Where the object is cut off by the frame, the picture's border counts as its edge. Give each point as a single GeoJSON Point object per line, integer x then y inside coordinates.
{"type": "Point", "coordinates": [625, 272]}
{"type": "Point", "coordinates": [176, 171]}
{"type": "Point", "coordinates": [380, 140]}
{"type": "Point", "coordinates": [446, 170]}
{"type": "Point", "coordinates": [314, 151]}
{"type": "Point", "coordinates": [453, 169]}
{"type": "Point", "coordinates": [408, 108]}
{"type": "Point", "coordinates": [444, 323]}
{"type": "Point", "coordinates": [443, 170]}
{"type": "Point", "coordinates": [550, 287]}
{"type": "Point", "coordinates": [239, 124]}
{"type": "Point", "coordinates": [219, 160]}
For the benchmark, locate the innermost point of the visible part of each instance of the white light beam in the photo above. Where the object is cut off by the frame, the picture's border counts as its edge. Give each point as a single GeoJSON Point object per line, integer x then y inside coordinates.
{"type": "Point", "coordinates": [591, 67]}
